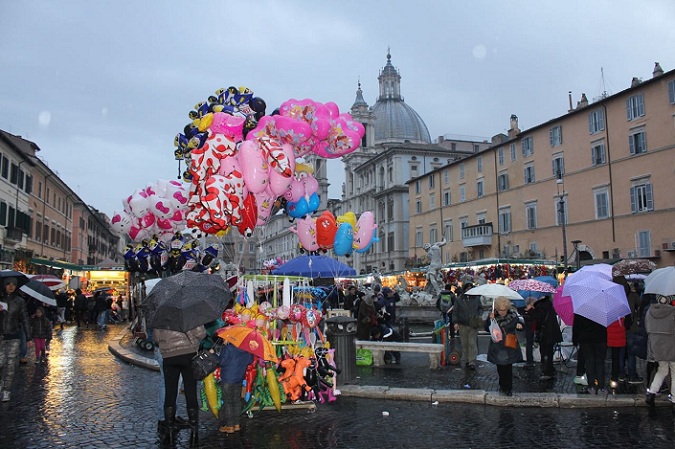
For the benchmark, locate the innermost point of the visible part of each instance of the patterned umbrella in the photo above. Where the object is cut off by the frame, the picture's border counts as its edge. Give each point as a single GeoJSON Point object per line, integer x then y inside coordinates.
{"type": "Point", "coordinates": [531, 285]}
{"type": "Point", "coordinates": [249, 340]}
{"type": "Point", "coordinates": [597, 299]}
{"type": "Point", "coordinates": [563, 306]}
{"type": "Point", "coordinates": [605, 270]}
{"type": "Point", "coordinates": [52, 282]}
{"type": "Point", "coordinates": [661, 282]}
{"type": "Point", "coordinates": [632, 266]}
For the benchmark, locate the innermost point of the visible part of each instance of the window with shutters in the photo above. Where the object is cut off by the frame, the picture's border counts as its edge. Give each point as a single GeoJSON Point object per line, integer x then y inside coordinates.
{"type": "Point", "coordinates": [637, 141]}
{"type": "Point", "coordinates": [555, 136]}
{"type": "Point", "coordinates": [505, 220]}
{"type": "Point", "coordinates": [596, 121]}
{"type": "Point", "coordinates": [641, 197]}
{"type": "Point", "coordinates": [635, 107]}
{"type": "Point", "coordinates": [598, 153]}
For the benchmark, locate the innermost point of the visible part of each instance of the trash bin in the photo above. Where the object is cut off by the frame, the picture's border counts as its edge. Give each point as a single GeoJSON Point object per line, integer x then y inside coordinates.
{"type": "Point", "coordinates": [341, 333]}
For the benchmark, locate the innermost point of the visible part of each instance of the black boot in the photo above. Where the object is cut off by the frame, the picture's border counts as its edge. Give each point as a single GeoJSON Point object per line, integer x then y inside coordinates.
{"type": "Point", "coordinates": [650, 399]}
{"type": "Point", "coordinates": [193, 419]}
{"type": "Point", "coordinates": [169, 434]}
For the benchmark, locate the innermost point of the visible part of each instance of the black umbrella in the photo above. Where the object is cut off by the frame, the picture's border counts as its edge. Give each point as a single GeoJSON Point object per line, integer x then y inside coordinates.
{"type": "Point", "coordinates": [39, 291]}
{"type": "Point", "coordinates": [21, 278]}
{"type": "Point", "coordinates": [186, 300]}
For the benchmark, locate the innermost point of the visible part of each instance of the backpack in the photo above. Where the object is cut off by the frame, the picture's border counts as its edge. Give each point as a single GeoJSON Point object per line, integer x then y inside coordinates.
{"type": "Point", "coordinates": [91, 304]}
{"type": "Point", "coordinates": [446, 301]}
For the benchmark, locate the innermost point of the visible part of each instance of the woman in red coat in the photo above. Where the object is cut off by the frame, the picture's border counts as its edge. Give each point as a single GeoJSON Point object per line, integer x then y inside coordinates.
{"type": "Point", "coordinates": [616, 341]}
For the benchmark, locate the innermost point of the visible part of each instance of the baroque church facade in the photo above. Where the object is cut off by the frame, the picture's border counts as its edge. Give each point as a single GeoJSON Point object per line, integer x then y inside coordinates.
{"type": "Point", "coordinates": [396, 148]}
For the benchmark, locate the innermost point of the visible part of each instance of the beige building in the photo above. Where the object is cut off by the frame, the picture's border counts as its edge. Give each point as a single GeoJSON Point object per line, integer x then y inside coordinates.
{"type": "Point", "coordinates": [44, 222]}
{"type": "Point", "coordinates": [594, 184]}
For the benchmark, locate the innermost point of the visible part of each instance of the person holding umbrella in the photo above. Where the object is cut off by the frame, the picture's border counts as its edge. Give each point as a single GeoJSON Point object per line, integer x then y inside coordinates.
{"type": "Point", "coordinates": [592, 340]}
{"type": "Point", "coordinates": [547, 333]}
{"type": "Point", "coordinates": [177, 310]}
{"type": "Point", "coordinates": [13, 315]}
{"type": "Point", "coordinates": [501, 353]}
{"type": "Point", "coordinates": [177, 350]}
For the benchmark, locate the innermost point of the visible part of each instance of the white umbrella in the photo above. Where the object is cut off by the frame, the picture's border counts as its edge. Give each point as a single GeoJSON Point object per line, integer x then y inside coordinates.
{"type": "Point", "coordinates": [494, 290]}
{"type": "Point", "coordinates": [661, 282]}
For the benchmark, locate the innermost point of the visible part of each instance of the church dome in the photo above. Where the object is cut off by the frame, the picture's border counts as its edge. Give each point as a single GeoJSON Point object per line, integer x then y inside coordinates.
{"type": "Point", "coordinates": [395, 121]}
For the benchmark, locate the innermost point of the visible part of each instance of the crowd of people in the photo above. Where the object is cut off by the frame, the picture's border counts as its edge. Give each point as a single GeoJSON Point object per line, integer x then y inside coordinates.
{"type": "Point", "coordinates": [27, 322]}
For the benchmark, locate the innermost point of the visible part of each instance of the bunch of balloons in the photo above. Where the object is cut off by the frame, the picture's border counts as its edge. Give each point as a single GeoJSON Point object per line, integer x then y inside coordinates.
{"type": "Point", "coordinates": [344, 234]}
{"type": "Point", "coordinates": [241, 164]}
{"type": "Point", "coordinates": [181, 253]}
{"type": "Point", "coordinates": [158, 209]}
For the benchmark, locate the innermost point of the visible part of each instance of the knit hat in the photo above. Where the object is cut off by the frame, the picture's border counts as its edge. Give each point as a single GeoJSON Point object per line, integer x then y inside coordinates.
{"type": "Point", "coordinates": [10, 280]}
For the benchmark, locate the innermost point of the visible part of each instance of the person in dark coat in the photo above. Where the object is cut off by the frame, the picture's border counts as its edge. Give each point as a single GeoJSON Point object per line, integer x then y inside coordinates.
{"type": "Point", "coordinates": [498, 353]}
{"type": "Point", "coordinates": [80, 306]}
{"type": "Point", "coordinates": [548, 334]}
{"type": "Point", "coordinates": [233, 364]}
{"type": "Point", "coordinates": [12, 317]}
{"type": "Point", "coordinates": [350, 298]}
{"type": "Point", "coordinates": [367, 317]}
{"type": "Point", "coordinates": [592, 340]}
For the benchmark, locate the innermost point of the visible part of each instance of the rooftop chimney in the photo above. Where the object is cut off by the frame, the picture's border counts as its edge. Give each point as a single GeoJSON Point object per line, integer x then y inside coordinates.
{"type": "Point", "coordinates": [514, 130]}
{"type": "Point", "coordinates": [636, 81]}
{"type": "Point", "coordinates": [569, 97]}
{"type": "Point", "coordinates": [658, 71]}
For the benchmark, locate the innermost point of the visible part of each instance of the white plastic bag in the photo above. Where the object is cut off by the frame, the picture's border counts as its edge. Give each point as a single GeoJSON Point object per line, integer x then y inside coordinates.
{"type": "Point", "coordinates": [495, 331]}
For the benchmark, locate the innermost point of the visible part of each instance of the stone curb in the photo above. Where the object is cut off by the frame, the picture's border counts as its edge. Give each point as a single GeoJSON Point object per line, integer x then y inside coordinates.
{"type": "Point", "coordinates": [539, 400]}
{"type": "Point", "coordinates": [115, 347]}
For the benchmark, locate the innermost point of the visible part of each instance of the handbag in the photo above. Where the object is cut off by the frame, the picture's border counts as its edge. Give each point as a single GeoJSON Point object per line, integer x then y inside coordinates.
{"type": "Point", "coordinates": [204, 363]}
{"type": "Point", "coordinates": [511, 341]}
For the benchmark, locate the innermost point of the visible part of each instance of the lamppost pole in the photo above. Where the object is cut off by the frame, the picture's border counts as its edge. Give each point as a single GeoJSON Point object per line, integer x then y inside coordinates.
{"type": "Point", "coordinates": [560, 185]}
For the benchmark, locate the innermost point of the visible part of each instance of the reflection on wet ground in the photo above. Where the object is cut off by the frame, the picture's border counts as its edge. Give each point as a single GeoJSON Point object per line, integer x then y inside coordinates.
{"type": "Point", "coordinates": [85, 398]}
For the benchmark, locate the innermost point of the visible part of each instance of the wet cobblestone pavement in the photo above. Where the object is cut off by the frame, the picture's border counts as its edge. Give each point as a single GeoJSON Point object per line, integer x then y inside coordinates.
{"type": "Point", "coordinates": [84, 397]}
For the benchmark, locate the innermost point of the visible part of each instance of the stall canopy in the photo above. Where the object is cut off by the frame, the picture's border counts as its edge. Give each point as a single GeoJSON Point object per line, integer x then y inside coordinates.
{"type": "Point", "coordinates": [315, 267]}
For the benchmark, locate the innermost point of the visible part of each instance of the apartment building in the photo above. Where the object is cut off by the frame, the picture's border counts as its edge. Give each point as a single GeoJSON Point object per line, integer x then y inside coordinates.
{"type": "Point", "coordinates": [595, 184]}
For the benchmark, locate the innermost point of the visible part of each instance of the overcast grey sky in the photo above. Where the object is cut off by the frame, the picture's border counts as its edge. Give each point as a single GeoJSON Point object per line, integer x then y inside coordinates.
{"type": "Point", "coordinates": [104, 86]}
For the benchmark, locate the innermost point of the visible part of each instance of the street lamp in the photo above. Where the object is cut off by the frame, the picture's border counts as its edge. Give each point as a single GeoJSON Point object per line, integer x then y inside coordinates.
{"type": "Point", "coordinates": [560, 186]}
{"type": "Point", "coordinates": [576, 252]}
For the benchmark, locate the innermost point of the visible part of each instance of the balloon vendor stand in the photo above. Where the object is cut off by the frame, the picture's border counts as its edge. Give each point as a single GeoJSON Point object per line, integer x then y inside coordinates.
{"type": "Point", "coordinates": [279, 319]}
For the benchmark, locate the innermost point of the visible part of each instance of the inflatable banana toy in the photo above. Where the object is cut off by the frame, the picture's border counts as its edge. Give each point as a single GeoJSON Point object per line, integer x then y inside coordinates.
{"type": "Point", "coordinates": [273, 386]}
{"type": "Point", "coordinates": [211, 391]}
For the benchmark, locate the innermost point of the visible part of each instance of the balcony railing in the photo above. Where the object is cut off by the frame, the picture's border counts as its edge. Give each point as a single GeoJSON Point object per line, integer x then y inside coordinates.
{"type": "Point", "coordinates": [477, 235]}
{"type": "Point", "coordinates": [14, 234]}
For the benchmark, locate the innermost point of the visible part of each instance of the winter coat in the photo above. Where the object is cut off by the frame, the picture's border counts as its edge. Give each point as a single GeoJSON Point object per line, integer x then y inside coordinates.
{"type": "Point", "coordinates": [367, 317]}
{"type": "Point", "coordinates": [466, 307]}
{"type": "Point", "coordinates": [660, 323]}
{"type": "Point", "coordinates": [41, 327]}
{"type": "Point", "coordinates": [497, 352]}
{"type": "Point", "coordinates": [174, 343]}
{"type": "Point", "coordinates": [13, 317]}
{"type": "Point", "coordinates": [233, 364]}
{"type": "Point", "coordinates": [585, 331]}
{"type": "Point", "coordinates": [547, 322]}
{"type": "Point", "coordinates": [616, 334]}
{"type": "Point", "coordinates": [80, 302]}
